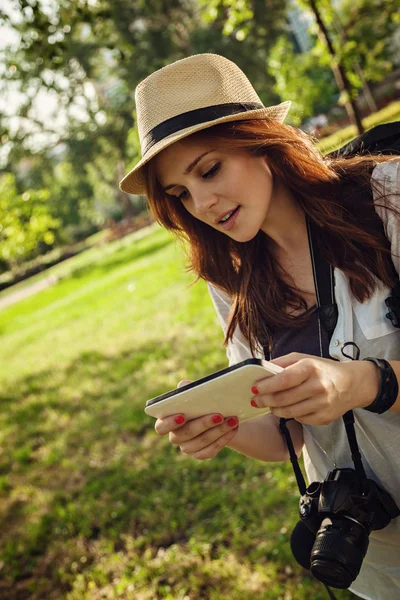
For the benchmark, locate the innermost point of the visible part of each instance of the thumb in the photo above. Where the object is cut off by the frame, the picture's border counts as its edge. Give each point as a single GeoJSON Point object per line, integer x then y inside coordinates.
{"type": "Point", "coordinates": [183, 382]}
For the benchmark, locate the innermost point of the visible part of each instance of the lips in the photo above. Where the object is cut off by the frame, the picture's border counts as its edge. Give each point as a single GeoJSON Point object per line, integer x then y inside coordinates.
{"type": "Point", "coordinates": [224, 214]}
{"type": "Point", "coordinates": [231, 220]}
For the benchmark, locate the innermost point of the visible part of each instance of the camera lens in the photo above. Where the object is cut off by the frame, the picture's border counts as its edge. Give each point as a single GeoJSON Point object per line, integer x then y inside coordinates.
{"type": "Point", "coordinates": [338, 551]}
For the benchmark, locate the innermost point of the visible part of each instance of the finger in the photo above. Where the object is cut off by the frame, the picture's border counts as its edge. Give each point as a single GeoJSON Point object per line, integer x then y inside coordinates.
{"type": "Point", "coordinates": [212, 450]}
{"type": "Point", "coordinates": [164, 426]}
{"type": "Point", "coordinates": [309, 389]}
{"type": "Point", "coordinates": [170, 423]}
{"type": "Point", "coordinates": [207, 438]}
{"type": "Point", "coordinates": [292, 376]}
{"type": "Point", "coordinates": [196, 427]}
{"type": "Point", "coordinates": [183, 382]}
{"type": "Point", "coordinates": [288, 359]}
{"type": "Point", "coordinates": [295, 411]}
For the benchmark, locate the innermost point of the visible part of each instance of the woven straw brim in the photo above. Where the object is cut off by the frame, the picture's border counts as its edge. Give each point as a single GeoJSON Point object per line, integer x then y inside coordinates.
{"type": "Point", "coordinates": [134, 181]}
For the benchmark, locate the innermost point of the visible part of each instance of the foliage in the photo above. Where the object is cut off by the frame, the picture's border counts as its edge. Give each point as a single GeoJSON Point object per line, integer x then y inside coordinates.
{"type": "Point", "coordinates": [93, 503]}
{"type": "Point", "coordinates": [85, 58]}
{"type": "Point", "coordinates": [26, 226]}
{"type": "Point", "coordinates": [306, 78]}
{"type": "Point", "coordinates": [248, 30]}
{"type": "Point", "coordinates": [302, 79]}
{"type": "Point", "coordinates": [89, 56]}
{"type": "Point", "coordinates": [364, 31]}
{"type": "Point", "coordinates": [361, 32]}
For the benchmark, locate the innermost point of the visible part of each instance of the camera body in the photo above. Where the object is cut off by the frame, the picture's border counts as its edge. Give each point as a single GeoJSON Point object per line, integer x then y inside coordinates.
{"type": "Point", "coordinates": [341, 512]}
{"type": "Point", "coordinates": [393, 304]}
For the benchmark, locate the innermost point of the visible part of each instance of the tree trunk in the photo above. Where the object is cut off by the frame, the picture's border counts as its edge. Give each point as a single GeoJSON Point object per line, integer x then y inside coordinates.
{"type": "Point", "coordinates": [369, 97]}
{"type": "Point", "coordinates": [338, 70]}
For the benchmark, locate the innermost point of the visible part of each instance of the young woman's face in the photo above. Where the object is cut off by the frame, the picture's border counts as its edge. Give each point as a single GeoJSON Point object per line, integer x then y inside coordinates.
{"type": "Point", "coordinates": [229, 190]}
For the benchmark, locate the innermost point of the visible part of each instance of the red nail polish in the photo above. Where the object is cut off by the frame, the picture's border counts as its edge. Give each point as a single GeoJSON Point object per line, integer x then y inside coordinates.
{"type": "Point", "coordinates": [254, 403]}
{"type": "Point", "coordinates": [217, 419]}
{"type": "Point", "coordinates": [254, 390]}
{"type": "Point", "coordinates": [232, 422]}
{"type": "Point", "coordinates": [180, 419]}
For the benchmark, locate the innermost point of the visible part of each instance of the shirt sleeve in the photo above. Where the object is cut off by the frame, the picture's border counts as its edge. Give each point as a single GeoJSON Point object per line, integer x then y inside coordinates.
{"type": "Point", "coordinates": [386, 176]}
{"type": "Point", "coordinates": [238, 348]}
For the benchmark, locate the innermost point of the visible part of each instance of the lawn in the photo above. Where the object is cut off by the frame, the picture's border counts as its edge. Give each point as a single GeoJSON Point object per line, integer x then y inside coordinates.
{"type": "Point", "coordinates": [93, 503]}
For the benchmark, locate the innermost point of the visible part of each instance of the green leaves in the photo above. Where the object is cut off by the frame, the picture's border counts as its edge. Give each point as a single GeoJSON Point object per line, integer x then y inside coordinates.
{"type": "Point", "coordinates": [237, 16]}
{"type": "Point", "coordinates": [301, 79]}
{"type": "Point", "coordinates": [25, 222]}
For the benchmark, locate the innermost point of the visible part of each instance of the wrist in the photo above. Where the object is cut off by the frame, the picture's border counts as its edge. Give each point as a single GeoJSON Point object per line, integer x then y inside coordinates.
{"type": "Point", "coordinates": [388, 386]}
{"type": "Point", "coordinates": [365, 384]}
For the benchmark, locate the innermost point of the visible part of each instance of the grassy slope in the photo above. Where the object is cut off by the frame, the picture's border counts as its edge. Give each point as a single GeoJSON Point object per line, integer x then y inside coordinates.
{"type": "Point", "coordinates": [93, 503]}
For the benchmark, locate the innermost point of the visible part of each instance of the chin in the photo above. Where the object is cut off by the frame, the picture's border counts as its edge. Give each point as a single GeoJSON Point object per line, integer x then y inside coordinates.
{"type": "Point", "coordinates": [242, 238]}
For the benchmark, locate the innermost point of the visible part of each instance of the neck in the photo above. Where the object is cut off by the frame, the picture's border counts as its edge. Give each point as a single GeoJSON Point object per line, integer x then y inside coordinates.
{"type": "Point", "coordinates": [285, 224]}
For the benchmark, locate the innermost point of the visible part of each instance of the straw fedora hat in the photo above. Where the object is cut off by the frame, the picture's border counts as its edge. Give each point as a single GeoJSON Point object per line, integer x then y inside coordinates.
{"type": "Point", "coordinates": [187, 96]}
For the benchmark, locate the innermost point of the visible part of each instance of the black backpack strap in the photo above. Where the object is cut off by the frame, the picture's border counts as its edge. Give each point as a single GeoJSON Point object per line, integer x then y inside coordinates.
{"type": "Point", "coordinates": [382, 139]}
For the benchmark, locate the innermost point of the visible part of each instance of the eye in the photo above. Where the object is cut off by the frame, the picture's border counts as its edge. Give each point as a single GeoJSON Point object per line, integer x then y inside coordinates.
{"type": "Point", "coordinates": [213, 171]}
{"type": "Point", "coordinates": [182, 196]}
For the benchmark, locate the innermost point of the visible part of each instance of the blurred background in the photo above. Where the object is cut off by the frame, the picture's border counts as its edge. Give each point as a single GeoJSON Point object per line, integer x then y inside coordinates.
{"type": "Point", "coordinates": [97, 313]}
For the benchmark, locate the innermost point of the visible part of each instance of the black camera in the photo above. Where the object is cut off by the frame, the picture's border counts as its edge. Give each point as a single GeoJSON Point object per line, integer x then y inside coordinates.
{"type": "Point", "coordinates": [341, 512]}
{"type": "Point", "coordinates": [393, 304]}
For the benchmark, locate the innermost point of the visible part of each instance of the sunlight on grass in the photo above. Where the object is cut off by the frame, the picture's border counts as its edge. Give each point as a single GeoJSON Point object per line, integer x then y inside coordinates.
{"type": "Point", "coordinates": [93, 503]}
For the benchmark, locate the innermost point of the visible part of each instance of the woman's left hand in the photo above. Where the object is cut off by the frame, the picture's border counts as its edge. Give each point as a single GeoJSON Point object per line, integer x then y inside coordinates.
{"type": "Point", "coordinates": [317, 391]}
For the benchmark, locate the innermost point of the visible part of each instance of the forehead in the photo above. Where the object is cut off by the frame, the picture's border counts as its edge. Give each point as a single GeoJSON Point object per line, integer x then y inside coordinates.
{"type": "Point", "coordinates": [175, 158]}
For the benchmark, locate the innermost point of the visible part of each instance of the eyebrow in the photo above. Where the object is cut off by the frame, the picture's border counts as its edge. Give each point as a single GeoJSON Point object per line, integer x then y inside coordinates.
{"type": "Point", "coordinates": [189, 168]}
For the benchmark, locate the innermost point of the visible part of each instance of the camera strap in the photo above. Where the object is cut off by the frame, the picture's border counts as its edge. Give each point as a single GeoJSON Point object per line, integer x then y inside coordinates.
{"type": "Point", "coordinates": [323, 275]}
{"type": "Point", "coordinates": [323, 282]}
{"type": "Point", "coordinates": [328, 314]}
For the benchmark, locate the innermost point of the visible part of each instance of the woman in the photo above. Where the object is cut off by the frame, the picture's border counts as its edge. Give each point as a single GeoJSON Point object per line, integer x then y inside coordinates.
{"type": "Point", "coordinates": [245, 190]}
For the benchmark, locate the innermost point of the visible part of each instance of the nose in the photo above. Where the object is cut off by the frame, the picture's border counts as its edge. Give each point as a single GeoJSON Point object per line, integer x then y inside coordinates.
{"type": "Point", "coordinates": [203, 201]}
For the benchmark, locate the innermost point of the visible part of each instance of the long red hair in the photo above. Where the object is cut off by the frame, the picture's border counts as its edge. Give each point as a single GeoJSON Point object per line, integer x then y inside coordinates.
{"type": "Point", "coordinates": [336, 195]}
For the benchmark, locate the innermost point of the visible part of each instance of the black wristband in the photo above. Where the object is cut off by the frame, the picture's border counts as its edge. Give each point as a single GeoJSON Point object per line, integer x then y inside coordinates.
{"type": "Point", "coordinates": [388, 388]}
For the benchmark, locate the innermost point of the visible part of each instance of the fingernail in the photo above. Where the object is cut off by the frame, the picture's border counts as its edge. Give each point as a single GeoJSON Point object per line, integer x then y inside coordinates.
{"type": "Point", "coordinates": [254, 390]}
{"type": "Point", "coordinates": [180, 419]}
{"type": "Point", "coordinates": [217, 419]}
{"type": "Point", "coordinates": [254, 403]}
{"type": "Point", "coordinates": [232, 422]}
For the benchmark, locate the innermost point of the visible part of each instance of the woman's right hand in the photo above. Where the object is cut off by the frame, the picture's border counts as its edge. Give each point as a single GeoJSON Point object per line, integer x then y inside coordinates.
{"type": "Point", "coordinates": [201, 438]}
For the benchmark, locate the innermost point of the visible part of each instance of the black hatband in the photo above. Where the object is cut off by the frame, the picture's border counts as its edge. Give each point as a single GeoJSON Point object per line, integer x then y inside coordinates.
{"type": "Point", "coordinates": [194, 117]}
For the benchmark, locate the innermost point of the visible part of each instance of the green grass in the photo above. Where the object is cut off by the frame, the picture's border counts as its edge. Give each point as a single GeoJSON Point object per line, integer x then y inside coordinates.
{"type": "Point", "coordinates": [93, 503]}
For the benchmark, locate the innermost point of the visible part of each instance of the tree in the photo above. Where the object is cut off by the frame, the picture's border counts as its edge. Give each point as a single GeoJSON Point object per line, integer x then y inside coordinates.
{"type": "Point", "coordinates": [25, 222]}
{"type": "Point", "coordinates": [247, 31]}
{"type": "Point", "coordinates": [357, 36]}
{"type": "Point", "coordinates": [90, 57]}
{"type": "Point", "coordinates": [337, 67]}
{"type": "Point", "coordinates": [364, 31]}
{"type": "Point", "coordinates": [301, 78]}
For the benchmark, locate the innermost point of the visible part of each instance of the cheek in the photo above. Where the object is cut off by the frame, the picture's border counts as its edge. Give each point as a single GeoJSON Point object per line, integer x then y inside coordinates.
{"type": "Point", "coordinates": [233, 183]}
{"type": "Point", "coordinates": [190, 208]}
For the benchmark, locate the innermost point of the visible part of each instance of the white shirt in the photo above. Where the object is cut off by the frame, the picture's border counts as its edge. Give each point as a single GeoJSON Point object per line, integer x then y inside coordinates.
{"type": "Point", "coordinates": [378, 436]}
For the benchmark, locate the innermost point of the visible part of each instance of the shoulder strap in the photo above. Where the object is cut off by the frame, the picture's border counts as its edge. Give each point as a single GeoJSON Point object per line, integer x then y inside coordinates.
{"type": "Point", "coordinates": [382, 139]}
{"type": "Point", "coordinates": [323, 281]}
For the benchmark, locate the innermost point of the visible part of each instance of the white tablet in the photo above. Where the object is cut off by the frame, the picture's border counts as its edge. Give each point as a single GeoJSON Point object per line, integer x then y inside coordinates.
{"type": "Point", "coordinates": [227, 392]}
